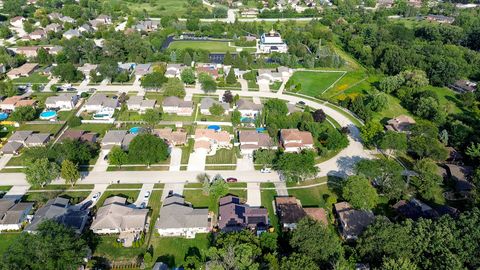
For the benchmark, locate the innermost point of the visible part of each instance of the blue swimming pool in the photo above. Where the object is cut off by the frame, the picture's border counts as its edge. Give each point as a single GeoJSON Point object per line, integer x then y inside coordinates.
{"type": "Point", "coordinates": [214, 127]}
{"type": "Point", "coordinates": [135, 130]}
{"type": "Point", "coordinates": [48, 115]}
{"type": "Point", "coordinates": [3, 116]}
{"type": "Point", "coordinates": [247, 120]}
{"type": "Point", "coordinates": [260, 129]}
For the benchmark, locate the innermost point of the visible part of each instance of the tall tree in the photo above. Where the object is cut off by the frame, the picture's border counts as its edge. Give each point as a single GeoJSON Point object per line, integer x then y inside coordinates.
{"type": "Point", "coordinates": [297, 167]}
{"type": "Point", "coordinates": [358, 191]}
{"type": "Point", "coordinates": [227, 97]}
{"type": "Point", "coordinates": [40, 172]}
{"type": "Point", "coordinates": [147, 149]}
{"type": "Point", "coordinates": [117, 156]}
{"type": "Point", "coordinates": [69, 172]}
{"type": "Point", "coordinates": [174, 87]}
{"type": "Point", "coordinates": [152, 117]}
{"type": "Point", "coordinates": [188, 76]}
{"type": "Point", "coordinates": [228, 59]}
{"type": "Point", "coordinates": [231, 79]}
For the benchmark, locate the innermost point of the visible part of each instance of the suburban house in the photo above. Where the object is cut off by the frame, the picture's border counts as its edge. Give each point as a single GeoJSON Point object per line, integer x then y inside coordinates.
{"type": "Point", "coordinates": [352, 222]}
{"type": "Point", "coordinates": [53, 27]}
{"type": "Point", "coordinates": [235, 216]}
{"type": "Point", "coordinates": [11, 103]}
{"type": "Point", "coordinates": [28, 51]}
{"type": "Point", "coordinates": [210, 69]}
{"type": "Point", "coordinates": [208, 102]}
{"type": "Point", "coordinates": [69, 34]}
{"type": "Point", "coordinates": [290, 211]}
{"type": "Point", "coordinates": [440, 19]}
{"type": "Point", "coordinates": [251, 141]}
{"type": "Point", "coordinates": [79, 135]}
{"type": "Point", "coordinates": [171, 137]}
{"type": "Point", "coordinates": [64, 101]}
{"type": "Point", "coordinates": [101, 20]}
{"type": "Point", "coordinates": [464, 86]}
{"type": "Point", "coordinates": [460, 176]}
{"type": "Point", "coordinates": [147, 26]}
{"type": "Point", "coordinates": [61, 211]}
{"type": "Point", "coordinates": [248, 109]}
{"type": "Point", "coordinates": [99, 102]}
{"type": "Point", "coordinates": [177, 106]}
{"type": "Point", "coordinates": [13, 214]}
{"type": "Point", "coordinates": [249, 13]}
{"type": "Point", "coordinates": [174, 70]}
{"type": "Point", "coordinates": [17, 21]}
{"type": "Point", "coordinates": [23, 71]}
{"type": "Point", "coordinates": [178, 218]}
{"type": "Point", "coordinates": [210, 140]}
{"type": "Point", "coordinates": [143, 69]}
{"type": "Point", "coordinates": [37, 34]}
{"type": "Point", "coordinates": [115, 216]}
{"type": "Point", "coordinates": [86, 69]}
{"type": "Point", "coordinates": [294, 140]}
{"type": "Point", "coordinates": [272, 42]}
{"type": "Point", "coordinates": [415, 209]}
{"type": "Point", "coordinates": [401, 123]}
{"type": "Point", "coordinates": [268, 76]}
{"type": "Point", "coordinates": [20, 139]}
{"type": "Point", "coordinates": [138, 103]}
{"type": "Point", "coordinates": [117, 138]}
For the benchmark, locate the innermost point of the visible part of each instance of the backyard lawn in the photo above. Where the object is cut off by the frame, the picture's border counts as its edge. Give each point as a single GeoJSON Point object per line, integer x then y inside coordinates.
{"type": "Point", "coordinates": [268, 196]}
{"type": "Point", "coordinates": [172, 250]}
{"type": "Point", "coordinates": [200, 200]}
{"type": "Point", "coordinates": [159, 8]}
{"type": "Point", "coordinates": [315, 83]}
{"type": "Point", "coordinates": [97, 128]}
{"type": "Point", "coordinates": [317, 196]}
{"type": "Point", "coordinates": [35, 78]}
{"type": "Point", "coordinates": [223, 156]}
{"type": "Point", "coordinates": [44, 128]}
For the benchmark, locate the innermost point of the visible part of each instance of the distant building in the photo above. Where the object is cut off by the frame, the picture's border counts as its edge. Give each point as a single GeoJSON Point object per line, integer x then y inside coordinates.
{"type": "Point", "coordinates": [177, 106]}
{"type": "Point", "coordinates": [23, 71]}
{"type": "Point", "coordinates": [17, 21]}
{"type": "Point", "coordinates": [352, 222]}
{"type": "Point", "coordinates": [235, 216]}
{"type": "Point", "coordinates": [13, 214]}
{"type": "Point", "coordinates": [147, 26]}
{"type": "Point", "coordinates": [464, 86]}
{"type": "Point", "coordinates": [177, 218]}
{"type": "Point", "coordinates": [272, 42]}
{"type": "Point", "coordinates": [174, 70]}
{"type": "Point", "coordinates": [440, 19]}
{"type": "Point", "coordinates": [69, 34]}
{"type": "Point", "coordinates": [268, 76]}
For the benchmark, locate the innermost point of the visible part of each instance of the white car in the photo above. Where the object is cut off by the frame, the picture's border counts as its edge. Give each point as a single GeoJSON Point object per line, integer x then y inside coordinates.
{"type": "Point", "coordinates": [96, 196]}
{"type": "Point", "coordinates": [266, 170]}
{"type": "Point", "coordinates": [147, 195]}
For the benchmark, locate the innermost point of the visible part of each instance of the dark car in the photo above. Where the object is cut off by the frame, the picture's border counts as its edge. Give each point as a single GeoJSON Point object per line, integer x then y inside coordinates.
{"type": "Point", "coordinates": [86, 205]}
{"type": "Point", "coordinates": [232, 180]}
{"type": "Point", "coordinates": [301, 103]}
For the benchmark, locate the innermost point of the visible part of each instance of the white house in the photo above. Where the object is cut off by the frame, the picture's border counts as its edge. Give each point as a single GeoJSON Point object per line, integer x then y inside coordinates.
{"type": "Point", "coordinates": [37, 34]}
{"type": "Point", "coordinates": [178, 218]}
{"type": "Point", "coordinates": [100, 102]}
{"type": "Point", "coordinates": [17, 21]}
{"type": "Point", "coordinates": [294, 140]}
{"type": "Point", "coordinates": [174, 70]}
{"type": "Point", "coordinates": [13, 215]}
{"type": "Point", "coordinates": [272, 42]}
{"type": "Point", "coordinates": [71, 34]}
{"type": "Point", "coordinates": [248, 109]}
{"type": "Point", "coordinates": [64, 101]}
{"type": "Point", "coordinates": [177, 106]}
{"type": "Point", "coordinates": [137, 103]}
{"type": "Point", "coordinates": [268, 76]}
{"type": "Point", "coordinates": [251, 140]}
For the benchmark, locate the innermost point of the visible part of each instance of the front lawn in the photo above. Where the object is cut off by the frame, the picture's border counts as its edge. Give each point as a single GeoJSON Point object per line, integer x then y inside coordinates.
{"type": "Point", "coordinates": [315, 83]}
{"type": "Point", "coordinates": [186, 151]}
{"type": "Point", "coordinates": [40, 198]}
{"type": "Point", "coordinates": [131, 196]}
{"type": "Point", "coordinates": [268, 196]}
{"type": "Point", "coordinates": [35, 78]}
{"type": "Point", "coordinates": [122, 186]}
{"type": "Point", "coordinates": [64, 187]}
{"type": "Point", "coordinates": [223, 156]}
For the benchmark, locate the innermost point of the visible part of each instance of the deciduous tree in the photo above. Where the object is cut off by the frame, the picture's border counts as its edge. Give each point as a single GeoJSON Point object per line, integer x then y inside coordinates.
{"type": "Point", "coordinates": [69, 172]}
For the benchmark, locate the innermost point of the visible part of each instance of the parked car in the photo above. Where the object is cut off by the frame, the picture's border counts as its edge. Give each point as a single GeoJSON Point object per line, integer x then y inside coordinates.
{"type": "Point", "coordinates": [147, 195]}
{"type": "Point", "coordinates": [96, 196]}
{"type": "Point", "coordinates": [301, 103]}
{"type": "Point", "coordinates": [143, 205]}
{"type": "Point", "coordinates": [232, 180]}
{"type": "Point", "coordinates": [86, 205]}
{"type": "Point", "coordinates": [266, 170]}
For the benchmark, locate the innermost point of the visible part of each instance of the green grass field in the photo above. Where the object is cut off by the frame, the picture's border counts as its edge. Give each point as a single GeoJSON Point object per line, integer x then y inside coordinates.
{"type": "Point", "coordinates": [159, 8]}
{"type": "Point", "coordinates": [268, 196]}
{"type": "Point", "coordinates": [44, 128]}
{"type": "Point", "coordinates": [172, 250]}
{"type": "Point", "coordinates": [315, 83]}
{"type": "Point", "coordinates": [101, 129]}
{"type": "Point", "coordinates": [6, 240]}
{"type": "Point", "coordinates": [211, 46]}
{"type": "Point", "coordinates": [223, 156]}
{"type": "Point", "coordinates": [35, 78]}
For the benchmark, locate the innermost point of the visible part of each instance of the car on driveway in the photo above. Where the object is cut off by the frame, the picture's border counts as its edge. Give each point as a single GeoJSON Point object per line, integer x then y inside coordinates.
{"type": "Point", "coordinates": [143, 205]}
{"type": "Point", "coordinates": [96, 196]}
{"type": "Point", "coordinates": [232, 180]}
{"type": "Point", "coordinates": [301, 103]}
{"type": "Point", "coordinates": [86, 205]}
{"type": "Point", "coordinates": [266, 170]}
{"type": "Point", "coordinates": [147, 195]}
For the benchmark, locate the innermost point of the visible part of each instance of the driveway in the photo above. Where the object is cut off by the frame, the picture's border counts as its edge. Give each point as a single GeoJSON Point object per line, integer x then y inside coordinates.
{"type": "Point", "coordinates": [256, 100]}
{"type": "Point", "coordinates": [96, 189]}
{"type": "Point", "coordinates": [174, 188]}
{"type": "Point", "coordinates": [101, 165]}
{"type": "Point", "coordinates": [197, 160]}
{"type": "Point", "coordinates": [4, 160]}
{"type": "Point", "coordinates": [175, 159]}
{"type": "Point", "coordinates": [245, 164]}
{"type": "Point", "coordinates": [244, 84]}
{"type": "Point", "coordinates": [264, 87]}
{"type": "Point", "coordinates": [281, 188]}
{"type": "Point", "coordinates": [16, 193]}
{"type": "Point", "coordinates": [254, 196]}
{"type": "Point", "coordinates": [141, 195]}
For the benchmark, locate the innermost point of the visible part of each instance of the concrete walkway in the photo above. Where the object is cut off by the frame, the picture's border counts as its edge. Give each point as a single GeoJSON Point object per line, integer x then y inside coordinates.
{"type": "Point", "coordinates": [197, 161]}
{"type": "Point", "coordinates": [245, 164]}
{"type": "Point", "coordinates": [141, 196]}
{"type": "Point", "coordinates": [175, 159]}
{"type": "Point", "coordinates": [254, 196]}
{"type": "Point", "coordinates": [175, 188]}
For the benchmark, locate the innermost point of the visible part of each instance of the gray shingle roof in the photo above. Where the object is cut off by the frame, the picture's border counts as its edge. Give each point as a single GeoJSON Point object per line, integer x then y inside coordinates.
{"type": "Point", "coordinates": [175, 213]}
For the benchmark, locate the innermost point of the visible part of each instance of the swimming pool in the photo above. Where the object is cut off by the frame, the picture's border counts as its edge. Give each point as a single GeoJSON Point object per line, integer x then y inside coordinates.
{"type": "Point", "coordinates": [135, 130]}
{"type": "Point", "coordinates": [247, 120]}
{"type": "Point", "coordinates": [47, 115]}
{"type": "Point", "coordinates": [260, 129]}
{"type": "Point", "coordinates": [3, 116]}
{"type": "Point", "coordinates": [214, 127]}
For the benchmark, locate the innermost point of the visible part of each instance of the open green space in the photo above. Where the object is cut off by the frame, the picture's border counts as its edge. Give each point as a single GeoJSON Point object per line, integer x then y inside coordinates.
{"type": "Point", "coordinates": [350, 80]}
{"type": "Point", "coordinates": [317, 196]}
{"type": "Point", "coordinates": [35, 78]}
{"type": "Point", "coordinates": [127, 115]}
{"type": "Point", "coordinates": [315, 83]}
{"type": "Point", "coordinates": [159, 8]}
{"type": "Point", "coordinates": [223, 156]}
{"type": "Point", "coordinates": [198, 199]}
{"type": "Point", "coordinates": [211, 46]}
{"type": "Point", "coordinates": [172, 250]}
{"type": "Point", "coordinates": [101, 129]}
{"type": "Point", "coordinates": [5, 188]}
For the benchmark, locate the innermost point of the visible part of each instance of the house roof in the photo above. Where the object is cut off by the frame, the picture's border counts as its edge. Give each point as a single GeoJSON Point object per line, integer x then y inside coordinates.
{"type": "Point", "coordinates": [176, 137]}
{"type": "Point", "coordinates": [11, 147]}
{"type": "Point", "coordinates": [244, 104]}
{"type": "Point", "coordinates": [20, 136]}
{"type": "Point", "coordinates": [176, 102]}
{"type": "Point", "coordinates": [115, 214]}
{"type": "Point", "coordinates": [175, 213]}
{"type": "Point", "coordinates": [114, 137]}
{"type": "Point", "coordinates": [209, 134]}
{"type": "Point", "coordinates": [81, 135]}
{"type": "Point", "coordinates": [289, 210]}
{"type": "Point", "coordinates": [38, 138]}
{"type": "Point", "coordinates": [14, 213]}
{"type": "Point", "coordinates": [235, 216]}
{"type": "Point", "coordinates": [318, 214]}
{"type": "Point", "coordinates": [253, 137]}
{"type": "Point", "coordinates": [460, 175]}
{"type": "Point", "coordinates": [23, 70]}
{"type": "Point", "coordinates": [353, 221]}
{"type": "Point", "coordinates": [414, 209]}
{"type": "Point", "coordinates": [207, 102]}
{"type": "Point", "coordinates": [63, 97]}
{"type": "Point", "coordinates": [303, 137]}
